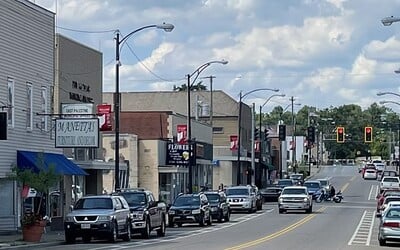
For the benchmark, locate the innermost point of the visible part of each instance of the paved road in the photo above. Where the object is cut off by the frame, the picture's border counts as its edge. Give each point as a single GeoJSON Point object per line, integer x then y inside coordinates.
{"type": "Point", "coordinates": [349, 225]}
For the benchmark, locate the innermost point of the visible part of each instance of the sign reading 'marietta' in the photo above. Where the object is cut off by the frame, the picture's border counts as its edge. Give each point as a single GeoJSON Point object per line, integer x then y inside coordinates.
{"type": "Point", "coordinates": [77, 133]}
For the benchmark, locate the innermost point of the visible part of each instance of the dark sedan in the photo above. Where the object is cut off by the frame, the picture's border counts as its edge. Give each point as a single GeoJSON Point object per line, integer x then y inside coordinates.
{"type": "Point", "coordinates": [271, 193]}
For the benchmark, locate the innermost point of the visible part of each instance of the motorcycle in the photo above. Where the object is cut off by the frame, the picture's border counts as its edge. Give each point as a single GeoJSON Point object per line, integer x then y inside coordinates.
{"type": "Point", "coordinates": [338, 197]}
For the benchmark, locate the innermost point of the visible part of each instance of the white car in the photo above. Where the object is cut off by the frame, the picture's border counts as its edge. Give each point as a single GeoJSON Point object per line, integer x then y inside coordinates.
{"type": "Point", "coordinates": [380, 166]}
{"type": "Point", "coordinates": [390, 182]}
{"type": "Point", "coordinates": [295, 198]}
{"type": "Point", "coordinates": [370, 174]}
{"type": "Point", "coordinates": [391, 204]}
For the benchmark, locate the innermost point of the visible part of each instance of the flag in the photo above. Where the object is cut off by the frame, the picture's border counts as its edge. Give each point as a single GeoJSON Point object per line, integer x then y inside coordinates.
{"type": "Point", "coordinates": [234, 142]}
{"type": "Point", "coordinates": [181, 136]}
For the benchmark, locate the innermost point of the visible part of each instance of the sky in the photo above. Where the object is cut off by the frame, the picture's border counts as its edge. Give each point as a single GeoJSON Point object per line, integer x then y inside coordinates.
{"type": "Point", "coordinates": [324, 53]}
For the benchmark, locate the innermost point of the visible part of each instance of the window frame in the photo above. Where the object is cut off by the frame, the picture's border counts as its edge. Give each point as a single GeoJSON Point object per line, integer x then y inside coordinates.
{"type": "Point", "coordinates": [44, 109]}
{"type": "Point", "coordinates": [10, 102]}
{"type": "Point", "coordinates": [29, 106]}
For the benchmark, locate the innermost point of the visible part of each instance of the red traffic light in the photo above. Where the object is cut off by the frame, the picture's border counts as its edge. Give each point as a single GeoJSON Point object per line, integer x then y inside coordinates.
{"type": "Point", "coordinates": [368, 134]}
{"type": "Point", "coordinates": [340, 134]}
{"type": "Point", "coordinates": [340, 130]}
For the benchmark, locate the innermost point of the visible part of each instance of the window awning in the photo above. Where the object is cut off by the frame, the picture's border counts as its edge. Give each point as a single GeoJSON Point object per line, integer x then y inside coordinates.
{"type": "Point", "coordinates": [62, 166]}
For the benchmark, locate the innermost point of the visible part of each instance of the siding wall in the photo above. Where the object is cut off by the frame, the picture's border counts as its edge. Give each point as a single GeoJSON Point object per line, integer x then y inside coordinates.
{"type": "Point", "coordinates": [27, 55]}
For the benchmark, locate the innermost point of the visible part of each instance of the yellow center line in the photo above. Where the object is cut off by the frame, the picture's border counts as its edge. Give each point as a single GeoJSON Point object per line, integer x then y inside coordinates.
{"type": "Point", "coordinates": [353, 178]}
{"type": "Point", "coordinates": [345, 187]}
{"type": "Point", "coordinates": [276, 234]}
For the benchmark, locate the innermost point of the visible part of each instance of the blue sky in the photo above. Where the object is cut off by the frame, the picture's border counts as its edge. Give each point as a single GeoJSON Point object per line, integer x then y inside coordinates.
{"type": "Point", "coordinates": [323, 52]}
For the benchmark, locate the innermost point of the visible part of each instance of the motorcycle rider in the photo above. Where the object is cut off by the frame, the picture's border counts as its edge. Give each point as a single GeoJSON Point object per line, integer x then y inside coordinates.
{"type": "Point", "coordinates": [332, 192]}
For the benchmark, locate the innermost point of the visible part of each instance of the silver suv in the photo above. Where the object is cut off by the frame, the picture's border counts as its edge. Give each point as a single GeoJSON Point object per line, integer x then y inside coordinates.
{"type": "Point", "coordinates": [100, 216]}
{"type": "Point", "coordinates": [295, 198]}
{"type": "Point", "coordinates": [241, 198]}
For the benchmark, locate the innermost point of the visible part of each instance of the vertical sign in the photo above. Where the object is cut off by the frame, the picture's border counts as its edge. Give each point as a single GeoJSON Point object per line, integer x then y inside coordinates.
{"type": "Point", "coordinates": [104, 112]}
{"type": "Point", "coordinates": [234, 142]}
{"type": "Point", "coordinates": [181, 136]}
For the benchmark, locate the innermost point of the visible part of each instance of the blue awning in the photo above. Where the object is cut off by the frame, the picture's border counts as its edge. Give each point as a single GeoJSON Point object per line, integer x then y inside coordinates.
{"type": "Point", "coordinates": [62, 166]}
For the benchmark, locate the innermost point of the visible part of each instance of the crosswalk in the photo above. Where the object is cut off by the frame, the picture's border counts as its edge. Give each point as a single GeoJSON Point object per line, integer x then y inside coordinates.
{"type": "Point", "coordinates": [363, 232]}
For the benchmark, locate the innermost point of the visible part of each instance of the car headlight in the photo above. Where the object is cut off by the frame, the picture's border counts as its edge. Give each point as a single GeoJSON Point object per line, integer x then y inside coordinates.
{"type": "Point", "coordinates": [280, 199]}
{"type": "Point", "coordinates": [305, 199]}
{"type": "Point", "coordinates": [196, 211]}
{"type": "Point", "coordinates": [105, 218]}
{"type": "Point", "coordinates": [172, 212]}
{"type": "Point", "coordinates": [69, 219]}
{"type": "Point", "coordinates": [138, 215]}
{"type": "Point", "coordinates": [246, 200]}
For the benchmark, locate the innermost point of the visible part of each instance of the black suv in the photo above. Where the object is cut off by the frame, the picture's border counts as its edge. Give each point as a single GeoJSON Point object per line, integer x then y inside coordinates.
{"type": "Point", "coordinates": [218, 205]}
{"type": "Point", "coordinates": [147, 213]}
{"type": "Point", "coordinates": [190, 208]}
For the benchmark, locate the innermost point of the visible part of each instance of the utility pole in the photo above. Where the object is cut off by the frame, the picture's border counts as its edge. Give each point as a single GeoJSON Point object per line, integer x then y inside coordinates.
{"type": "Point", "coordinates": [293, 137]}
{"type": "Point", "coordinates": [253, 142]}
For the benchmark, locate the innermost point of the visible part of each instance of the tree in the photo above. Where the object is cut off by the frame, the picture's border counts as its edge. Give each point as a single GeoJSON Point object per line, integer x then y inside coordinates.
{"type": "Point", "coordinates": [194, 87]}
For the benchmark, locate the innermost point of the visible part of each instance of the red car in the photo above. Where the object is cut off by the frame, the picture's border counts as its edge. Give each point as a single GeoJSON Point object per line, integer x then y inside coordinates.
{"type": "Point", "coordinates": [383, 194]}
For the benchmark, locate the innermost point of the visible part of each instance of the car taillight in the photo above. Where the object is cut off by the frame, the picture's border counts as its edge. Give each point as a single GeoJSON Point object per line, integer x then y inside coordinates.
{"type": "Point", "coordinates": [390, 224]}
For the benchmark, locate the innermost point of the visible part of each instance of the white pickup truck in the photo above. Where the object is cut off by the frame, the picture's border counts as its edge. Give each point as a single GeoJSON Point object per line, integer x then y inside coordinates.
{"type": "Point", "coordinates": [390, 182]}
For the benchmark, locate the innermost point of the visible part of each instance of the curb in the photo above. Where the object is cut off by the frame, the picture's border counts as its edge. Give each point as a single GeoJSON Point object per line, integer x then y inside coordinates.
{"type": "Point", "coordinates": [24, 245]}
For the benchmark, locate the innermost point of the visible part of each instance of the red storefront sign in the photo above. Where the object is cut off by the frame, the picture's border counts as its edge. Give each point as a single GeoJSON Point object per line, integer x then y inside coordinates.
{"type": "Point", "coordinates": [104, 113]}
{"type": "Point", "coordinates": [181, 136]}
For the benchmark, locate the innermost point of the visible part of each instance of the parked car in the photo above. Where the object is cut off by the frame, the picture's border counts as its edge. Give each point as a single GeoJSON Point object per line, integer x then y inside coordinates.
{"type": "Point", "coordinates": [285, 183]}
{"type": "Point", "coordinates": [101, 216]}
{"type": "Point", "coordinates": [390, 182]}
{"type": "Point", "coordinates": [370, 174]}
{"type": "Point", "coordinates": [147, 213]}
{"type": "Point", "coordinates": [389, 226]}
{"type": "Point", "coordinates": [325, 184]}
{"type": "Point", "coordinates": [271, 193]}
{"type": "Point", "coordinates": [389, 173]}
{"type": "Point", "coordinates": [295, 198]}
{"type": "Point", "coordinates": [241, 198]}
{"type": "Point", "coordinates": [190, 208]}
{"type": "Point", "coordinates": [314, 188]}
{"type": "Point", "coordinates": [219, 206]}
{"type": "Point", "coordinates": [383, 194]}
{"type": "Point", "coordinates": [385, 203]}
{"type": "Point", "coordinates": [297, 178]}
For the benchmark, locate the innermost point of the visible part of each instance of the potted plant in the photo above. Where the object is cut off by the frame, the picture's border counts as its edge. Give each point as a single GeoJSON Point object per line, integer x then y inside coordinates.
{"type": "Point", "coordinates": [40, 179]}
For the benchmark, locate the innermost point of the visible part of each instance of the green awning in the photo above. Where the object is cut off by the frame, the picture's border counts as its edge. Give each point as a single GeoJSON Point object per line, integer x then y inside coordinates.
{"type": "Point", "coordinates": [270, 166]}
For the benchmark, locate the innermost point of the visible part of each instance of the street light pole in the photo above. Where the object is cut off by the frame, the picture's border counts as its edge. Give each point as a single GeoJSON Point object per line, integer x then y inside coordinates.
{"type": "Point", "coordinates": [191, 145]}
{"type": "Point", "coordinates": [293, 138]}
{"type": "Point", "coordinates": [241, 96]}
{"type": "Point", "coordinates": [117, 100]}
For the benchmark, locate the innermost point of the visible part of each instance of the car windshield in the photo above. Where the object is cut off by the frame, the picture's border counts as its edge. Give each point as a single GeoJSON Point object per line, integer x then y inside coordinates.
{"type": "Point", "coordinates": [312, 184]}
{"type": "Point", "coordinates": [389, 199]}
{"type": "Point", "coordinates": [390, 179]}
{"type": "Point", "coordinates": [135, 199]}
{"type": "Point", "coordinates": [394, 212]}
{"type": "Point", "coordinates": [213, 197]}
{"type": "Point", "coordinates": [324, 182]}
{"type": "Point", "coordinates": [237, 191]}
{"type": "Point", "coordinates": [187, 201]}
{"type": "Point", "coordinates": [296, 177]}
{"type": "Point", "coordinates": [285, 182]}
{"type": "Point", "coordinates": [294, 191]}
{"type": "Point", "coordinates": [94, 203]}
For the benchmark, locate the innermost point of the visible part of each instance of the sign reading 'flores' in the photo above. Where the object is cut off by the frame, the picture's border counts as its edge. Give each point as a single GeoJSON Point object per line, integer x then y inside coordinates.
{"type": "Point", "coordinates": [178, 154]}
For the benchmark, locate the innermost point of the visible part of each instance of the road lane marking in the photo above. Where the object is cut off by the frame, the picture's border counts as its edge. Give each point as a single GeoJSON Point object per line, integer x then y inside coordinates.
{"type": "Point", "coordinates": [345, 187]}
{"type": "Point", "coordinates": [276, 234]}
{"type": "Point", "coordinates": [363, 232]}
{"type": "Point", "coordinates": [373, 191]}
{"type": "Point", "coordinates": [353, 178]}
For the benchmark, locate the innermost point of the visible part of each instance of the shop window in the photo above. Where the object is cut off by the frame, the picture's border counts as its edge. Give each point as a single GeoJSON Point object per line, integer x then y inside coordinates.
{"type": "Point", "coordinates": [218, 130]}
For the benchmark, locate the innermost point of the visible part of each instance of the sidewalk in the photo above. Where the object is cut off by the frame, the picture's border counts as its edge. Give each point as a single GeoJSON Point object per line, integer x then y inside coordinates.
{"type": "Point", "coordinates": [14, 240]}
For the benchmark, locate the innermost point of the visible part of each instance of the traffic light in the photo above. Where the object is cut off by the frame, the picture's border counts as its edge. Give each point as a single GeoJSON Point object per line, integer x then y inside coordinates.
{"type": "Point", "coordinates": [282, 132]}
{"type": "Point", "coordinates": [265, 134]}
{"type": "Point", "coordinates": [340, 134]}
{"type": "Point", "coordinates": [368, 134]}
{"type": "Point", "coordinates": [256, 134]}
{"type": "Point", "coordinates": [310, 134]}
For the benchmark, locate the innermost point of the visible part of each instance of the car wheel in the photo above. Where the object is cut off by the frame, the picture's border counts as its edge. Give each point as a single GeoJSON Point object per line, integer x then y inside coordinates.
{"type": "Point", "coordinates": [70, 238]}
{"type": "Point", "coordinates": [161, 231]}
{"type": "Point", "coordinates": [220, 216]}
{"type": "Point", "coordinates": [281, 211]}
{"type": "Point", "coordinates": [86, 239]}
{"type": "Point", "coordinates": [209, 222]}
{"type": "Point", "coordinates": [382, 242]}
{"type": "Point", "coordinates": [309, 211]}
{"type": "Point", "coordinates": [146, 230]}
{"type": "Point", "coordinates": [128, 235]}
{"type": "Point", "coordinates": [202, 220]}
{"type": "Point", "coordinates": [114, 234]}
{"type": "Point", "coordinates": [259, 206]}
{"type": "Point", "coordinates": [227, 216]}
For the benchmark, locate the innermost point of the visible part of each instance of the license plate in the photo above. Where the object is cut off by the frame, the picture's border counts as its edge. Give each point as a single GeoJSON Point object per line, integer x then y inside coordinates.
{"type": "Point", "coordinates": [85, 226]}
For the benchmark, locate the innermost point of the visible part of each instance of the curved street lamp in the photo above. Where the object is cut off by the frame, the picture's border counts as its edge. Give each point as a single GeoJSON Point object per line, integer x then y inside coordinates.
{"type": "Point", "coordinates": [387, 93]}
{"type": "Point", "coordinates": [384, 102]}
{"type": "Point", "coordinates": [239, 127]}
{"type": "Point", "coordinates": [190, 83]}
{"type": "Point", "coordinates": [387, 21]}
{"type": "Point", "coordinates": [118, 41]}
{"type": "Point", "coordinates": [260, 120]}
